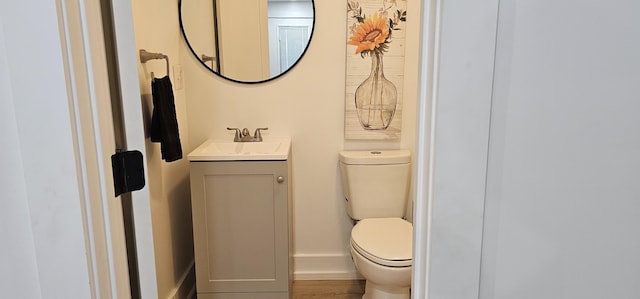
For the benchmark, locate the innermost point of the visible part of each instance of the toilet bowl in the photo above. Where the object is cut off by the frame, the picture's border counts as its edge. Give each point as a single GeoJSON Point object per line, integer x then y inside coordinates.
{"type": "Point", "coordinates": [381, 249]}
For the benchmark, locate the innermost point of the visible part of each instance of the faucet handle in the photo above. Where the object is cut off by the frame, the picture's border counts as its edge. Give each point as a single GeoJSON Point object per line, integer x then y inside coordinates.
{"type": "Point", "coordinates": [257, 136]}
{"type": "Point", "coordinates": [237, 137]}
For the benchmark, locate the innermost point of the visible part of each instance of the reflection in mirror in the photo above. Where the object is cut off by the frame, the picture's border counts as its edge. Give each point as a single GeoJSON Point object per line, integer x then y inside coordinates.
{"type": "Point", "coordinates": [247, 41]}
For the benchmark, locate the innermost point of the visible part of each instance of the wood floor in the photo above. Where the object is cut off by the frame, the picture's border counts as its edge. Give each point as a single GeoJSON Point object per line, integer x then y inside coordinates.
{"type": "Point", "coordinates": [329, 289]}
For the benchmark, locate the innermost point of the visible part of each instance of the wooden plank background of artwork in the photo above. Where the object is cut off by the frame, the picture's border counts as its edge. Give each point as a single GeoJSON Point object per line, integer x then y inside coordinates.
{"type": "Point", "coordinates": [358, 69]}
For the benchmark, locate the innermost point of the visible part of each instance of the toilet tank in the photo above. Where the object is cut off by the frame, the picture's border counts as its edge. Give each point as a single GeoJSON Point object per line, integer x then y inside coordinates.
{"type": "Point", "coordinates": [375, 183]}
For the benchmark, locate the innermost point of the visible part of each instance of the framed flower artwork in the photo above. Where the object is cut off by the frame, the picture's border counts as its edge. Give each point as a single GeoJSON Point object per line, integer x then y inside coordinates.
{"type": "Point", "coordinates": [375, 69]}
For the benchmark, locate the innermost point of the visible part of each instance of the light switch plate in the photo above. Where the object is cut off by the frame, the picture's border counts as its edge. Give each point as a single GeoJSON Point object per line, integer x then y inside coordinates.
{"type": "Point", "coordinates": [177, 76]}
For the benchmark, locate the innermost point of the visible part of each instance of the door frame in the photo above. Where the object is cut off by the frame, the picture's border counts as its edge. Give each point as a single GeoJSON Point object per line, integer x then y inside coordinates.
{"type": "Point", "coordinates": [450, 189]}
{"type": "Point", "coordinates": [454, 37]}
{"type": "Point", "coordinates": [90, 105]}
{"type": "Point", "coordinates": [92, 128]}
{"type": "Point", "coordinates": [423, 171]}
{"type": "Point", "coordinates": [130, 95]}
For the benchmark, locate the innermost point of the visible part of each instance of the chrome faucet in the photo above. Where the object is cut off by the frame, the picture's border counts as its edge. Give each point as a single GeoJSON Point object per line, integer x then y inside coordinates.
{"type": "Point", "coordinates": [243, 136]}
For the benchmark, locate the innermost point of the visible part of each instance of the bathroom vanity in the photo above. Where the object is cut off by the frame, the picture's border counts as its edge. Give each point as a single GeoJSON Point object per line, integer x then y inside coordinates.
{"type": "Point", "coordinates": [241, 204]}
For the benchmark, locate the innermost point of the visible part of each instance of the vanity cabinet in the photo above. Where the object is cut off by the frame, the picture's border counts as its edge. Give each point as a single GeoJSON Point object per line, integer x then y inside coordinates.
{"type": "Point", "coordinates": [242, 228]}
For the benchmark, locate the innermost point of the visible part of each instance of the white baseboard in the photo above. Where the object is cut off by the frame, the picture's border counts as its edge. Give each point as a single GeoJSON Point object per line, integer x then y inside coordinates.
{"type": "Point", "coordinates": [306, 267]}
{"type": "Point", "coordinates": [324, 267]}
{"type": "Point", "coordinates": [186, 285]}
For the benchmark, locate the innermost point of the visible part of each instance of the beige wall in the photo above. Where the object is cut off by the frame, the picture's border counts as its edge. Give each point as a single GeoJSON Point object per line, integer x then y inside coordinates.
{"type": "Point", "coordinates": [306, 104]}
{"type": "Point", "coordinates": [157, 30]}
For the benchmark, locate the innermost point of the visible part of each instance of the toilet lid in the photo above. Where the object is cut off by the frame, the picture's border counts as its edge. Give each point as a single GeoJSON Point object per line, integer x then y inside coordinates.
{"type": "Point", "coordinates": [386, 241]}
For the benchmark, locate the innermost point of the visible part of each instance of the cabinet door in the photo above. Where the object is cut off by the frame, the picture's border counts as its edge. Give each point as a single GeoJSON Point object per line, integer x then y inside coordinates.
{"type": "Point", "coordinates": [240, 226]}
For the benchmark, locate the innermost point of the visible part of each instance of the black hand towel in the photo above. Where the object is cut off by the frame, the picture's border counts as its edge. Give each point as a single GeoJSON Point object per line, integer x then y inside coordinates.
{"type": "Point", "coordinates": [164, 123]}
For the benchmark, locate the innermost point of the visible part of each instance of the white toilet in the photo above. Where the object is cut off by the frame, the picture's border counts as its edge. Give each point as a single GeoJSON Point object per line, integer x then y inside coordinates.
{"type": "Point", "coordinates": [376, 187]}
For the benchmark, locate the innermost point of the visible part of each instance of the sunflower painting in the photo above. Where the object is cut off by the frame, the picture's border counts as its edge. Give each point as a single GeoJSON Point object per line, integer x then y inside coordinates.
{"type": "Point", "coordinates": [375, 69]}
{"type": "Point", "coordinates": [370, 35]}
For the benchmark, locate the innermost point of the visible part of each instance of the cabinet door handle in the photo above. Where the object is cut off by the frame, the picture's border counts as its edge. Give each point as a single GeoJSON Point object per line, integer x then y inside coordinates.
{"type": "Point", "coordinates": [280, 179]}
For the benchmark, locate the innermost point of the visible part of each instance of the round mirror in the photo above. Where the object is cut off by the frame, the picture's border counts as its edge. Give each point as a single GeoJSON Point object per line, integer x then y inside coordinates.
{"type": "Point", "coordinates": [248, 41]}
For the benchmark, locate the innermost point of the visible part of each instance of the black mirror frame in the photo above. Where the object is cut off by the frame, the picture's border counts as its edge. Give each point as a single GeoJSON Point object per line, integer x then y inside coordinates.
{"type": "Point", "coordinates": [184, 36]}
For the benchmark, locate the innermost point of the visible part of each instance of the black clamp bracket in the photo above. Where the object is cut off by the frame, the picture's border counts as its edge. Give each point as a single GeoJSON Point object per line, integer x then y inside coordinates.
{"type": "Point", "coordinates": [128, 171]}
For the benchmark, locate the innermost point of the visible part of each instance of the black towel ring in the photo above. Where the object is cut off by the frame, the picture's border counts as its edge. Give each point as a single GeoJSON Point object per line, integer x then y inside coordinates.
{"type": "Point", "coordinates": [146, 56]}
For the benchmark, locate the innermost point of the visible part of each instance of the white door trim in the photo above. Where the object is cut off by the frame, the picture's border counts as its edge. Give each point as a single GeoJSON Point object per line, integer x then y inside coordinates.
{"type": "Point", "coordinates": [461, 108]}
{"type": "Point", "coordinates": [430, 45]}
{"type": "Point", "coordinates": [90, 106]}
{"type": "Point", "coordinates": [135, 140]}
{"type": "Point", "coordinates": [90, 110]}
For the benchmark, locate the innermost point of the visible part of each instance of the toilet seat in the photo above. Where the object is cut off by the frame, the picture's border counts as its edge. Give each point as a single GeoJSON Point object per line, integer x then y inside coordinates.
{"type": "Point", "coordinates": [385, 241]}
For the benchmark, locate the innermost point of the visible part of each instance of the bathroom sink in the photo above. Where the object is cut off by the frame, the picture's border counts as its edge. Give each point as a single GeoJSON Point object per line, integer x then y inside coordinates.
{"type": "Point", "coordinates": [225, 150]}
